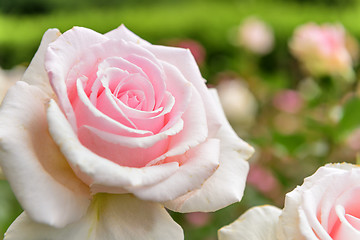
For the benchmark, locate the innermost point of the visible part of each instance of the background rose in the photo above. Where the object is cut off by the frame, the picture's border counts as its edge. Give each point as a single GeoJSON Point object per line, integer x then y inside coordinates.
{"type": "Point", "coordinates": [239, 103]}
{"type": "Point", "coordinates": [322, 50]}
{"type": "Point", "coordinates": [324, 207]}
{"type": "Point", "coordinates": [255, 36]}
{"type": "Point", "coordinates": [120, 116]}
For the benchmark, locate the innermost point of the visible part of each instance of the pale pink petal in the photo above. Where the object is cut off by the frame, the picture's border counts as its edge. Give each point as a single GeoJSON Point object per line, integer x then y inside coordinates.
{"type": "Point", "coordinates": [258, 223]}
{"type": "Point", "coordinates": [110, 217]}
{"type": "Point", "coordinates": [349, 225]}
{"type": "Point", "coordinates": [61, 57]}
{"type": "Point", "coordinates": [35, 74]}
{"type": "Point", "coordinates": [39, 175]}
{"type": "Point", "coordinates": [186, 64]}
{"type": "Point", "coordinates": [87, 114]}
{"type": "Point", "coordinates": [123, 33]}
{"type": "Point", "coordinates": [95, 170]}
{"type": "Point", "coordinates": [195, 129]}
{"type": "Point", "coordinates": [199, 164]}
{"type": "Point", "coordinates": [109, 146]}
{"type": "Point", "coordinates": [227, 184]}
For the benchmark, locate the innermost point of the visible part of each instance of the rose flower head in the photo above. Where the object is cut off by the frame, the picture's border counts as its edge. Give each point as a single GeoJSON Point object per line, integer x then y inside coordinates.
{"type": "Point", "coordinates": [325, 206]}
{"type": "Point", "coordinates": [256, 36]}
{"type": "Point", "coordinates": [103, 131]}
{"type": "Point", "coordinates": [322, 50]}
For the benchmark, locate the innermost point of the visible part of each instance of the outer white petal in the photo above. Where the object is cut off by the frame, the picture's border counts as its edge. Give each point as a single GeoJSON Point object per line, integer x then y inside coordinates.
{"type": "Point", "coordinates": [39, 175]}
{"type": "Point", "coordinates": [227, 184]}
{"type": "Point", "coordinates": [200, 163]}
{"type": "Point", "coordinates": [258, 223]}
{"type": "Point", "coordinates": [110, 217]}
{"type": "Point", "coordinates": [123, 33]}
{"type": "Point", "coordinates": [290, 218]}
{"type": "Point", "coordinates": [35, 73]}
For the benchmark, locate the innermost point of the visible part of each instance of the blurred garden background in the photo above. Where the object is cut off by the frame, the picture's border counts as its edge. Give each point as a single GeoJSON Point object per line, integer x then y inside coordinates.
{"type": "Point", "coordinates": [286, 72]}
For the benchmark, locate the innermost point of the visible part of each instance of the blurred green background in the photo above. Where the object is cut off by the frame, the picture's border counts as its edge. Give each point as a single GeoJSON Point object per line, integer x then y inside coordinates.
{"type": "Point", "coordinates": [290, 145]}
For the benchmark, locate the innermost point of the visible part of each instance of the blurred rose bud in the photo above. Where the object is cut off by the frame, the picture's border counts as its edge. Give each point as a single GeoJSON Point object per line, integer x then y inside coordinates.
{"type": "Point", "coordinates": [262, 179]}
{"type": "Point", "coordinates": [255, 36]}
{"type": "Point", "coordinates": [322, 50]}
{"type": "Point", "coordinates": [288, 101]}
{"type": "Point", "coordinates": [353, 140]}
{"type": "Point", "coordinates": [198, 219]}
{"type": "Point", "coordinates": [239, 104]}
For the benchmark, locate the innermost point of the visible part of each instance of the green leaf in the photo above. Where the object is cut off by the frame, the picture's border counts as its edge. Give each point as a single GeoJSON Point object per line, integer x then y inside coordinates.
{"type": "Point", "coordinates": [350, 119]}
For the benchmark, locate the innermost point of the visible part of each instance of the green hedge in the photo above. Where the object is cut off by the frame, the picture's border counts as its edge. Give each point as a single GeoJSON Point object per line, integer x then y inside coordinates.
{"type": "Point", "coordinates": [209, 22]}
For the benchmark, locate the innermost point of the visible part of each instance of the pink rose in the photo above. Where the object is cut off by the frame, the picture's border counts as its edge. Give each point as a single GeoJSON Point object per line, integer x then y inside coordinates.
{"type": "Point", "coordinates": [322, 50]}
{"type": "Point", "coordinates": [324, 207]}
{"type": "Point", "coordinates": [114, 114]}
{"type": "Point", "coordinates": [255, 36]}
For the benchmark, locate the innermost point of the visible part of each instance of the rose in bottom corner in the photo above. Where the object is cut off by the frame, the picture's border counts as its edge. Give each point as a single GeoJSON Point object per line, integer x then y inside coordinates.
{"type": "Point", "coordinates": [105, 130]}
{"type": "Point", "coordinates": [324, 207]}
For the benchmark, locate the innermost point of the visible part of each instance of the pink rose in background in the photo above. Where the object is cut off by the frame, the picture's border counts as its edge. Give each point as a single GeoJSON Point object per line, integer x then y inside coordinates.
{"type": "Point", "coordinates": [255, 36]}
{"type": "Point", "coordinates": [289, 101]}
{"type": "Point", "coordinates": [324, 207]}
{"type": "Point", "coordinates": [239, 103]}
{"type": "Point", "coordinates": [198, 219]}
{"type": "Point", "coordinates": [104, 130]}
{"type": "Point", "coordinates": [322, 50]}
{"type": "Point", "coordinates": [263, 180]}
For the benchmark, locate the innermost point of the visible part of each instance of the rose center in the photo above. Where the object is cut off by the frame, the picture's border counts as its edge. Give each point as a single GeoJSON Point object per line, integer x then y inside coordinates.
{"type": "Point", "coordinates": [132, 98]}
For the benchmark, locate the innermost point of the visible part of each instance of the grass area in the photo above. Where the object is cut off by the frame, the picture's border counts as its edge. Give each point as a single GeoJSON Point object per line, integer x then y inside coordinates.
{"type": "Point", "coordinates": [208, 22]}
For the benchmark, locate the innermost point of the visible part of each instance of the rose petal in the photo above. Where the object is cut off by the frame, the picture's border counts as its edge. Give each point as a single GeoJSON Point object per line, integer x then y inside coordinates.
{"type": "Point", "coordinates": [110, 217]}
{"type": "Point", "coordinates": [195, 129]}
{"type": "Point", "coordinates": [227, 184]}
{"type": "Point", "coordinates": [60, 58]}
{"type": "Point", "coordinates": [199, 164]}
{"type": "Point", "coordinates": [186, 64]}
{"type": "Point", "coordinates": [347, 228]}
{"type": "Point", "coordinates": [258, 223]}
{"type": "Point", "coordinates": [42, 181]}
{"type": "Point", "coordinates": [95, 170]}
{"type": "Point", "coordinates": [123, 33]}
{"type": "Point", "coordinates": [87, 114]}
{"type": "Point", "coordinates": [35, 74]}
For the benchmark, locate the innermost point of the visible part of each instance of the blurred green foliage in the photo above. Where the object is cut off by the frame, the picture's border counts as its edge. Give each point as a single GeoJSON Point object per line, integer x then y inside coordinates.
{"type": "Point", "coordinates": [9, 207]}
{"type": "Point", "coordinates": [208, 22]}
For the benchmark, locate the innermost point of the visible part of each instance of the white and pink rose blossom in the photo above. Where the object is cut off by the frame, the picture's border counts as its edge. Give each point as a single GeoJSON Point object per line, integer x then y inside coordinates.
{"type": "Point", "coordinates": [326, 206]}
{"type": "Point", "coordinates": [255, 36]}
{"type": "Point", "coordinates": [322, 50]}
{"type": "Point", "coordinates": [105, 130]}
